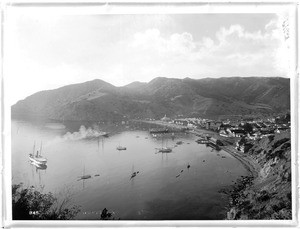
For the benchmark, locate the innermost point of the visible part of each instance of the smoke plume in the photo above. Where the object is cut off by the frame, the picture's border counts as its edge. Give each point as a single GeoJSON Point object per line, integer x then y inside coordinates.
{"type": "Point", "coordinates": [84, 133]}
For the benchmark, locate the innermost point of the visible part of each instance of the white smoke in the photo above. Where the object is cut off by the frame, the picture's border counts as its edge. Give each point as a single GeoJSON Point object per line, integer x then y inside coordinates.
{"type": "Point", "coordinates": [84, 133]}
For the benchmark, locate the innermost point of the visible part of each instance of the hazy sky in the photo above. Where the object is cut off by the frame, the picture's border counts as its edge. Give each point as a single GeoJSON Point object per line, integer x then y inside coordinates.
{"type": "Point", "coordinates": [49, 52]}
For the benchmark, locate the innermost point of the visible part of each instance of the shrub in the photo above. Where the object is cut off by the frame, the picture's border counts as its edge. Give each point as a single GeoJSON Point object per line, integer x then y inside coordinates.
{"type": "Point", "coordinates": [277, 207]}
{"type": "Point", "coordinates": [279, 142]}
{"type": "Point", "coordinates": [271, 137]}
{"type": "Point", "coordinates": [263, 196]}
{"type": "Point", "coordinates": [30, 204]}
{"type": "Point", "coordinates": [286, 145]}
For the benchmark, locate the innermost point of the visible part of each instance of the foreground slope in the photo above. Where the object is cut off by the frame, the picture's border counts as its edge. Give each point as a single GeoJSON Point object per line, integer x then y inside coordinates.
{"type": "Point", "coordinates": [269, 196]}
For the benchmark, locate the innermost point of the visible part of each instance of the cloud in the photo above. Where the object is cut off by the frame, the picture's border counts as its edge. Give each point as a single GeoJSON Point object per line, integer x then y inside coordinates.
{"type": "Point", "coordinates": [152, 39]}
{"type": "Point", "coordinates": [121, 49]}
{"type": "Point", "coordinates": [233, 50]}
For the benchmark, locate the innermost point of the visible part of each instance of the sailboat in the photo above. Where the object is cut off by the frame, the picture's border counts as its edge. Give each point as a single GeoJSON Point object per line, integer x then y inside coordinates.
{"type": "Point", "coordinates": [164, 149]}
{"type": "Point", "coordinates": [103, 134]}
{"type": "Point", "coordinates": [121, 147]}
{"type": "Point", "coordinates": [84, 177]}
{"type": "Point", "coordinates": [36, 158]}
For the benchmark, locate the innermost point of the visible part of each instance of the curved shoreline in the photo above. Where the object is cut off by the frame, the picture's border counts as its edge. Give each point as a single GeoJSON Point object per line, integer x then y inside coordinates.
{"type": "Point", "coordinates": [247, 162]}
{"type": "Point", "coordinates": [250, 164]}
{"type": "Point", "coordinates": [261, 194]}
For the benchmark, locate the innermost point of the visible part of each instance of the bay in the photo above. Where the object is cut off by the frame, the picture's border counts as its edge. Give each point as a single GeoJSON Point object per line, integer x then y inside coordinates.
{"type": "Point", "coordinates": [160, 191]}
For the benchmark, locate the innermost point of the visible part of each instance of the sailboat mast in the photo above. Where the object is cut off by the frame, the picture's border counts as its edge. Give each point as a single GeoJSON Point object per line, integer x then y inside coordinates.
{"type": "Point", "coordinates": [41, 148]}
{"type": "Point", "coordinates": [33, 148]}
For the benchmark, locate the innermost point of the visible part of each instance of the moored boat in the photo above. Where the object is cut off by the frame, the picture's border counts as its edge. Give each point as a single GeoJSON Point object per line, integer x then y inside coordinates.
{"type": "Point", "coordinates": [214, 146]}
{"type": "Point", "coordinates": [84, 177]}
{"type": "Point", "coordinates": [159, 131]}
{"type": "Point", "coordinates": [202, 141]}
{"type": "Point", "coordinates": [121, 148]}
{"type": "Point", "coordinates": [165, 150]}
{"type": "Point", "coordinates": [39, 166]}
{"type": "Point", "coordinates": [37, 158]}
{"type": "Point", "coordinates": [103, 134]}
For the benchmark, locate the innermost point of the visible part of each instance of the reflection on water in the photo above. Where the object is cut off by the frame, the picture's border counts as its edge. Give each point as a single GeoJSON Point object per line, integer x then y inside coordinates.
{"type": "Point", "coordinates": [39, 167]}
{"type": "Point", "coordinates": [136, 183]}
{"type": "Point", "coordinates": [37, 173]}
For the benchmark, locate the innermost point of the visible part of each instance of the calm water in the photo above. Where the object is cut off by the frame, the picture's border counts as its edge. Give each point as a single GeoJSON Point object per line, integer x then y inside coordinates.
{"type": "Point", "coordinates": [155, 193]}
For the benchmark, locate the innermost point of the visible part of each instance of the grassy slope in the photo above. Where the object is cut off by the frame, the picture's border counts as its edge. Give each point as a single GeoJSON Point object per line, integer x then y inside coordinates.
{"type": "Point", "coordinates": [269, 195]}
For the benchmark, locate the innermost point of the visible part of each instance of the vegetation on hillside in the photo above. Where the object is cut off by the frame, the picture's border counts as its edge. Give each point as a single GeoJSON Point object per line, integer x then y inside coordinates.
{"type": "Point", "coordinates": [99, 101]}
{"type": "Point", "coordinates": [269, 195]}
{"type": "Point", "coordinates": [31, 204]}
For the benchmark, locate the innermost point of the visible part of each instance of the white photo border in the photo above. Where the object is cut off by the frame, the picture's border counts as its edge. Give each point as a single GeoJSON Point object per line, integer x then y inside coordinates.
{"type": "Point", "coordinates": [9, 8]}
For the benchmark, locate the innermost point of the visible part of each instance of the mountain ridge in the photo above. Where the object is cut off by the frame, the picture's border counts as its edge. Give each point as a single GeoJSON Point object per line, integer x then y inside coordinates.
{"type": "Point", "coordinates": [98, 100]}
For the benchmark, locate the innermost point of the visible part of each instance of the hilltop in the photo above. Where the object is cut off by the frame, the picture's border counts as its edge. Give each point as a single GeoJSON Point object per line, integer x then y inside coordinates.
{"type": "Point", "coordinates": [99, 101]}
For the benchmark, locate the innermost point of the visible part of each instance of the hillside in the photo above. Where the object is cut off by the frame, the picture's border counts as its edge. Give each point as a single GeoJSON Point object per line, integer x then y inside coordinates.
{"type": "Point", "coordinates": [269, 195]}
{"type": "Point", "coordinates": [97, 100]}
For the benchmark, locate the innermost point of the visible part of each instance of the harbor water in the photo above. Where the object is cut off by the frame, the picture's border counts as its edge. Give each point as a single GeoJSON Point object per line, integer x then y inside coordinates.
{"type": "Point", "coordinates": [163, 189]}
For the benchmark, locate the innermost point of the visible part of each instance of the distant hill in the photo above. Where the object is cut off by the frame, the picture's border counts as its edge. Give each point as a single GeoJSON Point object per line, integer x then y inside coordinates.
{"type": "Point", "coordinates": [97, 100]}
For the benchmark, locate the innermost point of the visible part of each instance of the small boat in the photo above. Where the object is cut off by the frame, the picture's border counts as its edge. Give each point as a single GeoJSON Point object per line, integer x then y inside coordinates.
{"type": "Point", "coordinates": [202, 141]}
{"type": "Point", "coordinates": [133, 175]}
{"type": "Point", "coordinates": [214, 146]}
{"type": "Point", "coordinates": [37, 158]}
{"type": "Point", "coordinates": [179, 142]}
{"type": "Point", "coordinates": [159, 131]}
{"type": "Point", "coordinates": [165, 150]}
{"type": "Point", "coordinates": [103, 134]}
{"type": "Point", "coordinates": [121, 148]}
{"type": "Point", "coordinates": [84, 177]}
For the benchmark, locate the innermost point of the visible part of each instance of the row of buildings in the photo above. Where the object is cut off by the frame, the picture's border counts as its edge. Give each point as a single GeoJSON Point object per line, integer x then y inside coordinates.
{"type": "Point", "coordinates": [245, 129]}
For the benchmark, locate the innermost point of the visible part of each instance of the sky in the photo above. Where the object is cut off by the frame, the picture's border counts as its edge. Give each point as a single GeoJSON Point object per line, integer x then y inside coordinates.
{"type": "Point", "coordinates": [47, 52]}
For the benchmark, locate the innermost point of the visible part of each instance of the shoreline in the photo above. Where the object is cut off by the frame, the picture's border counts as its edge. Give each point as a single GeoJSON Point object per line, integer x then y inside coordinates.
{"type": "Point", "coordinates": [252, 166]}
{"type": "Point", "coordinates": [247, 162]}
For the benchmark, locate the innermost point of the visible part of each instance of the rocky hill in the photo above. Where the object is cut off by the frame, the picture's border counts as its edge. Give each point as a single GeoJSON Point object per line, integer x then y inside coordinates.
{"type": "Point", "coordinates": [97, 100]}
{"type": "Point", "coordinates": [269, 195]}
